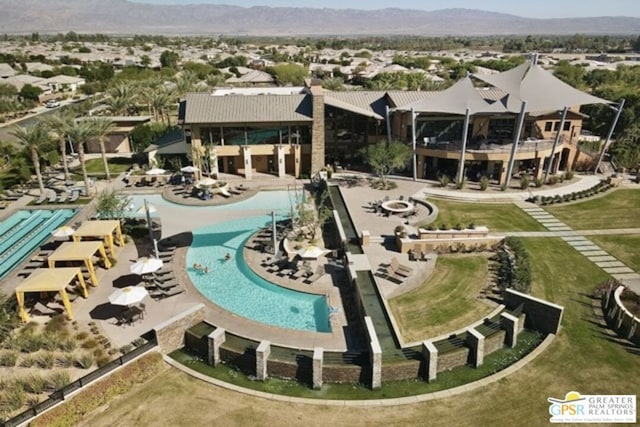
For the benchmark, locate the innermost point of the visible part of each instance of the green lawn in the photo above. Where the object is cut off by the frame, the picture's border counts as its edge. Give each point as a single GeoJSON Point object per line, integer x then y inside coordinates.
{"type": "Point", "coordinates": [117, 165]}
{"type": "Point", "coordinates": [624, 247]}
{"type": "Point", "coordinates": [618, 209]}
{"type": "Point", "coordinates": [446, 301]}
{"type": "Point", "coordinates": [498, 217]}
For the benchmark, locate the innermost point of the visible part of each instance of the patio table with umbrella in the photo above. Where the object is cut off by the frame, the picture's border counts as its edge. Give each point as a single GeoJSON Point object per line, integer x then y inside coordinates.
{"type": "Point", "coordinates": [156, 171]}
{"type": "Point", "coordinates": [146, 265]}
{"type": "Point", "coordinates": [128, 295]}
{"type": "Point", "coordinates": [189, 169]}
{"type": "Point", "coordinates": [64, 231]}
{"type": "Point", "coordinates": [206, 183]}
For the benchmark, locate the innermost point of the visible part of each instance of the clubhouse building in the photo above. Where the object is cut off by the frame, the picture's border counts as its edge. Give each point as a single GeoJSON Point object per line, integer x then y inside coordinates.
{"type": "Point", "coordinates": [464, 131]}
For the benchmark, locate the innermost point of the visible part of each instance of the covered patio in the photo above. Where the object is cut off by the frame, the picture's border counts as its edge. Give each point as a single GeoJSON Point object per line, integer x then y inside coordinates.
{"type": "Point", "coordinates": [101, 228]}
{"type": "Point", "coordinates": [80, 251]}
{"type": "Point", "coordinates": [50, 280]}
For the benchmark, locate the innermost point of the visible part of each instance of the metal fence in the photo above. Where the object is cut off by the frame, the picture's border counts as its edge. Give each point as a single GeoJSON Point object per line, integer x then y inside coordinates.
{"type": "Point", "coordinates": [59, 395]}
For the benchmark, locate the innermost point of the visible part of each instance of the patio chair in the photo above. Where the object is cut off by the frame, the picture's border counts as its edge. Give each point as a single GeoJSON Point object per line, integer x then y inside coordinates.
{"type": "Point", "coordinates": [63, 197]}
{"type": "Point", "coordinates": [424, 256]}
{"type": "Point", "coordinates": [52, 197]}
{"type": "Point", "coordinates": [391, 275]}
{"type": "Point", "coordinates": [43, 309]}
{"type": "Point", "coordinates": [316, 275]}
{"type": "Point", "coordinates": [41, 199]}
{"type": "Point", "coordinates": [400, 269]}
{"type": "Point", "coordinates": [74, 196]}
{"type": "Point", "coordinates": [160, 293]}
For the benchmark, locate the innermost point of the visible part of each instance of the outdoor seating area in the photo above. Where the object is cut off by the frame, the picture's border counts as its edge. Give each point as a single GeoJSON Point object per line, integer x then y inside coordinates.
{"type": "Point", "coordinates": [387, 207]}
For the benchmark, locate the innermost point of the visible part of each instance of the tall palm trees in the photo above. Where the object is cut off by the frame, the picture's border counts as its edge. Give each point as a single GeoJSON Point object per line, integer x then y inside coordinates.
{"type": "Point", "coordinates": [59, 123]}
{"type": "Point", "coordinates": [120, 98]}
{"type": "Point", "coordinates": [101, 127]}
{"type": "Point", "coordinates": [80, 132]}
{"type": "Point", "coordinates": [34, 138]}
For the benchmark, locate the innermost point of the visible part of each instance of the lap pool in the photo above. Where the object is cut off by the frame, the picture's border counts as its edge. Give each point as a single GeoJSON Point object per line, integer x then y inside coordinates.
{"type": "Point", "coordinates": [24, 231]}
{"type": "Point", "coordinates": [231, 284]}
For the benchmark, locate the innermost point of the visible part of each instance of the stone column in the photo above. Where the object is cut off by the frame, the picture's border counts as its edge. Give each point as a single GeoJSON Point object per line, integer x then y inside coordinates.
{"type": "Point", "coordinates": [248, 167]}
{"type": "Point", "coordinates": [376, 355]}
{"type": "Point", "coordinates": [262, 356]}
{"type": "Point", "coordinates": [430, 354]}
{"type": "Point", "coordinates": [297, 156]}
{"type": "Point", "coordinates": [364, 240]}
{"type": "Point", "coordinates": [475, 341]}
{"type": "Point", "coordinates": [317, 127]}
{"type": "Point", "coordinates": [281, 164]}
{"type": "Point", "coordinates": [420, 167]}
{"type": "Point", "coordinates": [215, 340]}
{"type": "Point", "coordinates": [318, 354]}
{"type": "Point", "coordinates": [510, 325]}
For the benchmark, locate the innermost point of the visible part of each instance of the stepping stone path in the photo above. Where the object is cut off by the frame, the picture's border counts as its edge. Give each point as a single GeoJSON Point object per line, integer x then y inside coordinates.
{"type": "Point", "coordinates": [583, 245]}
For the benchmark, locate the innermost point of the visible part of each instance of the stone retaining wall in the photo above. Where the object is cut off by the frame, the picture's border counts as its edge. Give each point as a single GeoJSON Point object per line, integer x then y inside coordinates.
{"type": "Point", "coordinates": [542, 316]}
{"type": "Point", "coordinates": [494, 342]}
{"type": "Point", "coordinates": [619, 318]}
{"type": "Point", "coordinates": [402, 370]}
{"type": "Point", "coordinates": [453, 359]}
{"type": "Point", "coordinates": [171, 333]}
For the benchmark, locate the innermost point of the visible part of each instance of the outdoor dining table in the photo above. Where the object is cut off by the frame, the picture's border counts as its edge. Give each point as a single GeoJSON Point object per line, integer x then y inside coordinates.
{"type": "Point", "coordinates": [130, 315]}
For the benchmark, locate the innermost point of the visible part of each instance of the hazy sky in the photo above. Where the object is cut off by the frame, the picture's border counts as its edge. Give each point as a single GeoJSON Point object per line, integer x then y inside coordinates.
{"type": "Point", "coordinates": [527, 8]}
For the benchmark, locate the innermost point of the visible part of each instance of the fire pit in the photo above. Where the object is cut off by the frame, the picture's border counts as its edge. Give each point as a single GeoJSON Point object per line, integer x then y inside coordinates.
{"type": "Point", "coordinates": [398, 206]}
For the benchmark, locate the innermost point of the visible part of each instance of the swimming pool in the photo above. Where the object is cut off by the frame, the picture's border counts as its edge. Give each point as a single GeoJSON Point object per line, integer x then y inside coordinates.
{"type": "Point", "coordinates": [24, 231]}
{"type": "Point", "coordinates": [233, 286]}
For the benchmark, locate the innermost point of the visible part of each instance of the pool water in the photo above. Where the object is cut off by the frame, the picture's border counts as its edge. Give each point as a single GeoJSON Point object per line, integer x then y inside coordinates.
{"type": "Point", "coordinates": [24, 231]}
{"type": "Point", "coordinates": [233, 286]}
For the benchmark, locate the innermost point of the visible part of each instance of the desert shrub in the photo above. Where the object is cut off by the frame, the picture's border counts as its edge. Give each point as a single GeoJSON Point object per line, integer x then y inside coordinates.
{"type": "Point", "coordinates": [539, 182]}
{"type": "Point", "coordinates": [514, 266]}
{"type": "Point", "coordinates": [458, 226]}
{"type": "Point", "coordinates": [33, 383]}
{"type": "Point", "coordinates": [51, 341]}
{"type": "Point", "coordinates": [11, 400]}
{"type": "Point", "coordinates": [68, 344]}
{"type": "Point", "coordinates": [85, 360]}
{"type": "Point", "coordinates": [553, 180]}
{"type": "Point", "coordinates": [126, 348]}
{"type": "Point", "coordinates": [471, 226]}
{"type": "Point", "coordinates": [8, 358]}
{"type": "Point", "coordinates": [27, 361]}
{"type": "Point", "coordinates": [484, 183]}
{"type": "Point", "coordinates": [444, 180]}
{"type": "Point", "coordinates": [138, 342]}
{"type": "Point", "coordinates": [103, 360]}
{"type": "Point", "coordinates": [65, 360]}
{"type": "Point", "coordinates": [568, 174]}
{"type": "Point", "coordinates": [524, 182]}
{"type": "Point", "coordinates": [56, 380]}
{"type": "Point", "coordinates": [82, 335]}
{"type": "Point", "coordinates": [460, 184]}
{"type": "Point", "coordinates": [88, 344]}
{"type": "Point", "coordinates": [57, 324]}
{"type": "Point", "coordinates": [102, 392]}
{"type": "Point", "coordinates": [29, 342]}
{"type": "Point", "coordinates": [444, 226]}
{"type": "Point", "coordinates": [98, 352]}
{"type": "Point", "coordinates": [45, 360]}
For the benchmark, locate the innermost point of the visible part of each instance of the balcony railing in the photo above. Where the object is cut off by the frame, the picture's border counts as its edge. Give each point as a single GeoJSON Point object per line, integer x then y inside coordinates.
{"type": "Point", "coordinates": [486, 147]}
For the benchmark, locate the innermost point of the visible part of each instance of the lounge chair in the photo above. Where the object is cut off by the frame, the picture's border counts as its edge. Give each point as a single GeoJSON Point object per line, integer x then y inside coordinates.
{"type": "Point", "coordinates": [74, 196]}
{"type": "Point", "coordinates": [63, 197]}
{"type": "Point", "coordinates": [52, 197]}
{"type": "Point", "coordinates": [224, 192]}
{"type": "Point", "coordinates": [160, 293]}
{"type": "Point", "coordinates": [43, 309]}
{"type": "Point", "coordinates": [400, 269]}
{"type": "Point", "coordinates": [316, 275]}
{"type": "Point", "coordinates": [41, 199]}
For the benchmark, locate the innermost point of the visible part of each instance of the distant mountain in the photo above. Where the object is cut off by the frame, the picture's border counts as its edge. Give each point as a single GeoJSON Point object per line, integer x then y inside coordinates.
{"type": "Point", "coordinates": [126, 17]}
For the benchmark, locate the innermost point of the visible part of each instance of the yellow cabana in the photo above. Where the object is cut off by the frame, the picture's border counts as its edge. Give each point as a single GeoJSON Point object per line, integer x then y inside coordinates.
{"type": "Point", "coordinates": [80, 251]}
{"type": "Point", "coordinates": [49, 280]}
{"type": "Point", "coordinates": [101, 228]}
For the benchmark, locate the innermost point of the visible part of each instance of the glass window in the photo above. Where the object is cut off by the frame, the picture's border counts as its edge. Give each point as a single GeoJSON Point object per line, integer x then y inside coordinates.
{"type": "Point", "coordinates": [567, 125]}
{"type": "Point", "coordinates": [548, 126]}
{"type": "Point", "coordinates": [500, 129]}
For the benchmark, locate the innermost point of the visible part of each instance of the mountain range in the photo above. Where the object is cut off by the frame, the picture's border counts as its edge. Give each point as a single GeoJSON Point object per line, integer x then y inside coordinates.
{"type": "Point", "coordinates": [126, 17]}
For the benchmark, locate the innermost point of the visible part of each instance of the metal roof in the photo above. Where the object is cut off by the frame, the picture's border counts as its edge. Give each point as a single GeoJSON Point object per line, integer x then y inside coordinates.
{"type": "Point", "coordinates": [206, 108]}
{"type": "Point", "coordinates": [366, 103]}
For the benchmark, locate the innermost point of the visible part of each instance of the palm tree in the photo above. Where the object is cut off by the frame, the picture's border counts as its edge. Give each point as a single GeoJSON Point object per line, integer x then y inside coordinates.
{"type": "Point", "coordinates": [160, 100]}
{"type": "Point", "coordinates": [101, 127]}
{"type": "Point", "coordinates": [59, 123]}
{"type": "Point", "coordinates": [80, 132]}
{"type": "Point", "coordinates": [120, 98]}
{"type": "Point", "coordinates": [185, 83]}
{"type": "Point", "coordinates": [34, 138]}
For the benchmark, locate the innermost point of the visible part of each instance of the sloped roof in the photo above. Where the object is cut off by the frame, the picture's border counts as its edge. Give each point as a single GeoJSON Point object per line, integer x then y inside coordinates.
{"type": "Point", "coordinates": [366, 103]}
{"type": "Point", "coordinates": [540, 88]}
{"type": "Point", "coordinates": [205, 108]}
{"type": "Point", "coordinates": [6, 70]}
{"type": "Point", "coordinates": [457, 99]}
{"type": "Point", "coordinates": [401, 98]}
{"type": "Point", "coordinates": [253, 76]}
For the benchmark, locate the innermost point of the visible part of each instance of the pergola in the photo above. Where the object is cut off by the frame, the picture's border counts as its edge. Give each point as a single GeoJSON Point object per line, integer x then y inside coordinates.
{"type": "Point", "coordinates": [49, 280]}
{"type": "Point", "coordinates": [80, 251]}
{"type": "Point", "coordinates": [101, 228]}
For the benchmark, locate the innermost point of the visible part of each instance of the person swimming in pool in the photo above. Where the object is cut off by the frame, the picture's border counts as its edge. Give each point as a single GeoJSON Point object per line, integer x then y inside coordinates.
{"type": "Point", "coordinates": [205, 270]}
{"type": "Point", "coordinates": [227, 257]}
{"type": "Point", "coordinates": [197, 266]}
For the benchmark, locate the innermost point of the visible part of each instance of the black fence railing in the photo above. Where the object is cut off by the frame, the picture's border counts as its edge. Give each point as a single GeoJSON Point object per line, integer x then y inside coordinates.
{"type": "Point", "coordinates": [59, 395]}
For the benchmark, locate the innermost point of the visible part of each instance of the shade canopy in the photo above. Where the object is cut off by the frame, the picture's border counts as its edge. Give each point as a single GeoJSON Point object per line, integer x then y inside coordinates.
{"type": "Point", "coordinates": [129, 295]}
{"type": "Point", "coordinates": [311, 252]}
{"type": "Point", "coordinates": [49, 280]}
{"type": "Point", "coordinates": [104, 229]}
{"type": "Point", "coordinates": [80, 251]}
{"type": "Point", "coordinates": [146, 265]}
{"type": "Point", "coordinates": [539, 87]}
{"type": "Point", "coordinates": [457, 99]}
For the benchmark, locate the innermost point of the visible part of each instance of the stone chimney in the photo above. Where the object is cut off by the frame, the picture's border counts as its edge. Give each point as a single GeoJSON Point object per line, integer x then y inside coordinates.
{"type": "Point", "coordinates": [317, 128]}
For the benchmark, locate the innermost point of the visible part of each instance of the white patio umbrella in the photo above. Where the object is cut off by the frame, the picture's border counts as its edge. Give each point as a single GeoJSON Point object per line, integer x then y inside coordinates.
{"type": "Point", "coordinates": [64, 231]}
{"type": "Point", "coordinates": [156, 171]}
{"type": "Point", "coordinates": [311, 252]}
{"type": "Point", "coordinates": [189, 169]}
{"type": "Point", "coordinates": [127, 296]}
{"type": "Point", "coordinates": [206, 182]}
{"type": "Point", "coordinates": [146, 265]}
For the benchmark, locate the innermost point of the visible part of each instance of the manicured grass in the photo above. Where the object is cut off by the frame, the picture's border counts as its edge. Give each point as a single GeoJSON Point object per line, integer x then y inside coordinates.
{"type": "Point", "coordinates": [498, 217]}
{"type": "Point", "coordinates": [618, 209]}
{"type": "Point", "coordinates": [622, 246]}
{"type": "Point", "coordinates": [583, 357]}
{"type": "Point", "coordinates": [446, 301]}
{"type": "Point", "coordinates": [116, 165]}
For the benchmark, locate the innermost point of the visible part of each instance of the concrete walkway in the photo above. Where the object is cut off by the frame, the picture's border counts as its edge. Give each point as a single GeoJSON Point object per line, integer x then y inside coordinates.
{"type": "Point", "coordinates": [578, 241]}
